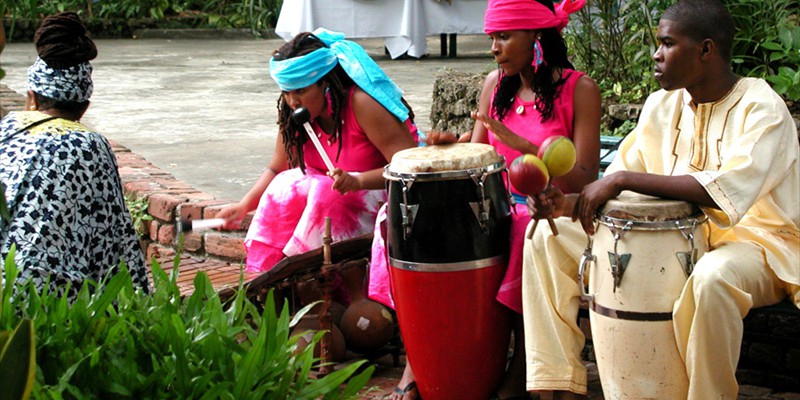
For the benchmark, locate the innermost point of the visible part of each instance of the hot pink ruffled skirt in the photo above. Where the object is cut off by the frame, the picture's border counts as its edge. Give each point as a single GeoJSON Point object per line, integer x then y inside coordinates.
{"type": "Point", "coordinates": [290, 218]}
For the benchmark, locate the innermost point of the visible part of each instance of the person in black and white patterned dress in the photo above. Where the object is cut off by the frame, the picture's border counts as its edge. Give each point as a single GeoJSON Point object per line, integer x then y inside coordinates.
{"type": "Point", "coordinates": [68, 217]}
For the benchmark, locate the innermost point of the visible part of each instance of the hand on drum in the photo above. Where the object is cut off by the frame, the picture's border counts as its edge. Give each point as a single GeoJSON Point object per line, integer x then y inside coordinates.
{"type": "Point", "coordinates": [343, 181]}
{"type": "Point", "coordinates": [505, 135]}
{"type": "Point", "coordinates": [592, 197]}
{"type": "Point", "coordinates": [437, 137]}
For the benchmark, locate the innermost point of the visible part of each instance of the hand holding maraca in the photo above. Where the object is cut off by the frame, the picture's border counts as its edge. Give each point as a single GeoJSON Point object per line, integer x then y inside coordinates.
{"type": "Point", "coordinates": [531, 175]}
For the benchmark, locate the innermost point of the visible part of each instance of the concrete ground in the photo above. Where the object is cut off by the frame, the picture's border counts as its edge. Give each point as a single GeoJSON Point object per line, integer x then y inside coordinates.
{"type": "Point", "coordinates": [205, 110]}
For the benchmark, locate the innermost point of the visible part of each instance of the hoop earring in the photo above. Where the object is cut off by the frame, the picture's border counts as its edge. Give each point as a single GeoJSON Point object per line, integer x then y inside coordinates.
{"type": "Point", "coordinates": [538, 56]}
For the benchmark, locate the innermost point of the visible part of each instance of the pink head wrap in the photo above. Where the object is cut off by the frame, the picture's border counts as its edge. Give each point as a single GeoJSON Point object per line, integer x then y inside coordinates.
{"type": "Point", "coordinates": [513, 15]}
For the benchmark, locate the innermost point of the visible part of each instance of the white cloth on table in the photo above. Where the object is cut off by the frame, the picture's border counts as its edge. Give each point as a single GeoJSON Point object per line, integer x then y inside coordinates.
{"type": "Point", "coordinates": [404, 25]}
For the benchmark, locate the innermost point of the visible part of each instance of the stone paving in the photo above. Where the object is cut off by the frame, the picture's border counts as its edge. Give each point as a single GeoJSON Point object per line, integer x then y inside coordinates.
{"type": "Point", "coordinates": [141, 107]}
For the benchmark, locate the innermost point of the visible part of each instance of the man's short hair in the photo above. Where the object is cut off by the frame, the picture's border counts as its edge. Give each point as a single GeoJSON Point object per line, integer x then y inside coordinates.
{"type": "Point", "coordinates": [704, 19]}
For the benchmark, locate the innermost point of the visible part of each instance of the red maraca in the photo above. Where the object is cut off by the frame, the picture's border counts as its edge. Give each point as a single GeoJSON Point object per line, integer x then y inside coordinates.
{"type": "Point", "coordinates": [528, 174]}
{"type": "Point", "coordinates": [558, 155]}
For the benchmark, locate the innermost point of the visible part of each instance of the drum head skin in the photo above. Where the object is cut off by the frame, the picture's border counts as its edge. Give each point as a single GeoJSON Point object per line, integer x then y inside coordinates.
{"type": "Point", "coordinates": [440, 158]}
{"type": "Point", "coordinates": [638, 207]}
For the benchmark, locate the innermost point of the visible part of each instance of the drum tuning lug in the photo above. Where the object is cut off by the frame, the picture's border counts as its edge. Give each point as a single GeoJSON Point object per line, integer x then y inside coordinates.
{"type": "Point", "coordinates": [619, 263]}
{"type": "Point", "coordinates": [408, 213]}
{"type": "Point", "coordinates": [687, 260]}
{"type": "Point", "coordinates": [481, 214]}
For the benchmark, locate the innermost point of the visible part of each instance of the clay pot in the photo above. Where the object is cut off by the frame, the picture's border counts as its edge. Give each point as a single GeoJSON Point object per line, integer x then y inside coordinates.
{"type": "Point", "coordinates": [366, 325]}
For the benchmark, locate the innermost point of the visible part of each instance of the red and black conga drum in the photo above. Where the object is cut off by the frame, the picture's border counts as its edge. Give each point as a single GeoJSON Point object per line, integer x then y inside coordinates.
{"type": "Point", "coordinates": [448, 226]}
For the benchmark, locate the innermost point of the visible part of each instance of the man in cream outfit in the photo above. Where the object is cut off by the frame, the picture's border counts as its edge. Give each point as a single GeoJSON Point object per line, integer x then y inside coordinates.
{"type": "Point", "coordinates": [725, 143]}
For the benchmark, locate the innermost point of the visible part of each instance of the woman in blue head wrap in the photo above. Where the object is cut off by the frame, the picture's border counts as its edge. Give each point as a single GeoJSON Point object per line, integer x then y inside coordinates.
{"type": "Point", "coordinates": [361, 120]}
{"type": "Point", "coordinates": [68, 217]}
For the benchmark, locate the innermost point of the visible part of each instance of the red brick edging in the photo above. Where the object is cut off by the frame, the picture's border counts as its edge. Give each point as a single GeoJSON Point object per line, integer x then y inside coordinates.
{"type": "Point", "coordinates": [168, 200]}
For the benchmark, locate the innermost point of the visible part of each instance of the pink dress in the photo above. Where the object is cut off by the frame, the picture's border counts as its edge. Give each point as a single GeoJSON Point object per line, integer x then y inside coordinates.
{"type": "Point", "coordinates": [527, 125]}
{"type": "Point", "coordinates": [291, 214]}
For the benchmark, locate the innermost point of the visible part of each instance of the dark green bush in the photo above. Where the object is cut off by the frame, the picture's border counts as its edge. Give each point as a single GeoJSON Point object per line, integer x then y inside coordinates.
{"type": "Point", "coordinates": [256, 15]}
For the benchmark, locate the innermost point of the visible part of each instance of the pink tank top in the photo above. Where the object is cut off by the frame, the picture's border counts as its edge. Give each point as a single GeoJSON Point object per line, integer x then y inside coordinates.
{"type": "Point", "coordinates": [528, 124]}
{"type": "Point", "coordinates": [358, 154]}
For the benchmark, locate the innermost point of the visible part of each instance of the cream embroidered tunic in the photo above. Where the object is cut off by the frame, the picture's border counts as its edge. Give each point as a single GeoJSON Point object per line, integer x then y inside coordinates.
{"type": "Point", "coordinates": [744, 151]}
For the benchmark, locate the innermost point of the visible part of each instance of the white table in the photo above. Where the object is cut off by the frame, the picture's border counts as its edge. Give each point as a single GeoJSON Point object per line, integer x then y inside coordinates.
{"type": "Point", "coordinates": [404, 24]}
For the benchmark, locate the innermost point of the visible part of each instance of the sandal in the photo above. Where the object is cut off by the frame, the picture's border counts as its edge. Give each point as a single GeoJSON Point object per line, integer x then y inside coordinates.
{"type": "Point", "coordinates": [406, 390]}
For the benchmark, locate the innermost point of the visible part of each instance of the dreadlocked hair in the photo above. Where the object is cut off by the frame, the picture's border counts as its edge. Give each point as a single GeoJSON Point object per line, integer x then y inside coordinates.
{"type": "Point", "coordinates": [62, 41]}
{"type": "Point", "coordinates": [544, 86]}
{"type": "Point", "coordinates": [339, 84]}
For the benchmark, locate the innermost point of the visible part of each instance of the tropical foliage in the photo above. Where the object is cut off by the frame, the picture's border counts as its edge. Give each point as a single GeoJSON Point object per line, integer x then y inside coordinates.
{"type": "Point", "coordinates": [256, 15]}
{"type": "Point", "coordinates": [613, 41]}
{"type": "Point", "coordinates": [115, 341]}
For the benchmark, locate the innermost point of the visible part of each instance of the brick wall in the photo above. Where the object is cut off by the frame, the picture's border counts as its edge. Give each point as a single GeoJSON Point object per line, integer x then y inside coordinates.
{"type": "Point", "coordinates": [168, 201]}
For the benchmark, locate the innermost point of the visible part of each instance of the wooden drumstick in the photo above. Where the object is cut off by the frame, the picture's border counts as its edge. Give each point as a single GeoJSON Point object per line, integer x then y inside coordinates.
{"type": "Point", "coordinates": [301, 116]}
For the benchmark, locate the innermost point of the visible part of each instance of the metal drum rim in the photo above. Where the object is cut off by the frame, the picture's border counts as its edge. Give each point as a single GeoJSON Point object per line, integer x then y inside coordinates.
{"type": "Point", "coordinates": [669, 225]}
{"type": "Point", "coordinates": [444, 175]}
{"type": "Point", "coordinates": [447, 267]}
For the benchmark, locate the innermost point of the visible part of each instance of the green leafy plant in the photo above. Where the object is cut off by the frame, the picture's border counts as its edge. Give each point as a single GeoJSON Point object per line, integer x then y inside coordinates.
{"type": "Point", "coordinates": [4, 214]}
{"type": "Point", "coordinates": [17, 361]}
{"type": "Point", "coordinates": [612, 41]}
{"type": "Point", "coordinates": [137, 207]}
{"type": "Point", "coordinates": [115, 341]}
{"type": "Point", "coordinates": [17, 347]}
{"type": "Point", "coordinates": [786, 52]}
{"type": "Point", "coordinates": [767, 42]}
{"type": "Point", "coordinates": [258, 15]}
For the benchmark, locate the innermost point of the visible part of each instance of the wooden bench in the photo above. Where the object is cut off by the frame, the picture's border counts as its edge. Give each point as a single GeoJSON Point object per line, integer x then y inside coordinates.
{"type": "Point", "coordinates": [608, 150]}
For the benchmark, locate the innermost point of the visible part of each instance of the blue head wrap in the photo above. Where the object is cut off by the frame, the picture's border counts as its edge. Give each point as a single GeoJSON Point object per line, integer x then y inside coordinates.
{"type": "Point", "coordinates": [299, 72]}
{"type": "Point", "coordinates": [73, 84]}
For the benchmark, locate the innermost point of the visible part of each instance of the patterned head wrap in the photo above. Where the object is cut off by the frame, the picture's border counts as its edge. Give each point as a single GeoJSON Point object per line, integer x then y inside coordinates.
{"type": "Point", "coordinates": [299, 72]}
{"type": "Point", "coordinates": [73, 84]}
{"type": "Point", "coordinates": [512, 15]}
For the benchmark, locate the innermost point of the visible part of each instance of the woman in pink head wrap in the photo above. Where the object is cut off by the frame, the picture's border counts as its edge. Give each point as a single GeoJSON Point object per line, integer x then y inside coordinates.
{"type": "Point", "coordinates": [535, 93]}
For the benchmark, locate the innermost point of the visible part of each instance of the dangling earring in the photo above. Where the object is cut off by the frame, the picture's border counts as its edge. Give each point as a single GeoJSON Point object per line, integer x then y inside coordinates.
{"type": "Point", "coordinates": [329, 108]}
{"type": "Point", "coordinates": [538, 55]}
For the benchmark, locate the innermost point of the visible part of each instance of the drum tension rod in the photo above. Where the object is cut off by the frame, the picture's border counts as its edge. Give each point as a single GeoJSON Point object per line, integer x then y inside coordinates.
{"type": "Point", "coordinates": [480, 208]}
{"type": "Point", "coordinates": [619, 262]}
{"type": "Point", "coordinates": [509, 196]}
{"type": "Point", "coordinates": [687, 258]}
{"type": "Point", "coordinates": [586, 259]}
{"type": "Point", "coordinates": [407, 211]}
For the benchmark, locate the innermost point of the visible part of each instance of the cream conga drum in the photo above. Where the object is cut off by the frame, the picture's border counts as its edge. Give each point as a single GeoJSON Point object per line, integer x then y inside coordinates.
{"type": "Point", "coordinates": [448, 227]}
{"type": "Point", "coordinates": [644, 251]}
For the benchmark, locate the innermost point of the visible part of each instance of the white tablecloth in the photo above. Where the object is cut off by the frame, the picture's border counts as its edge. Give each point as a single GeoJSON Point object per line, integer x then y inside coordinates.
{"type": "Point", "coordinates": [403, 23]}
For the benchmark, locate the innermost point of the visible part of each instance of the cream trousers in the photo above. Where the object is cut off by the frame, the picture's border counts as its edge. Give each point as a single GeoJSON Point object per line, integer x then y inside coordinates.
{"type": "Point", "coordinates": [726, 283]}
